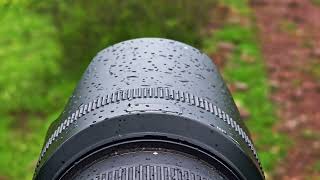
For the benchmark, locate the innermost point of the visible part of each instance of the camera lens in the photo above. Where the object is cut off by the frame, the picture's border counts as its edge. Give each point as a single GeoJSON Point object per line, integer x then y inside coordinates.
{"type": "Point", "coordinates": [149, 109]}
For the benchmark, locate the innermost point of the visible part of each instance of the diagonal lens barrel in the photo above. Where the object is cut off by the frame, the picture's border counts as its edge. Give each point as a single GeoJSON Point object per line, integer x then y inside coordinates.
{"type": "Point", "coordinates": [149, 108]}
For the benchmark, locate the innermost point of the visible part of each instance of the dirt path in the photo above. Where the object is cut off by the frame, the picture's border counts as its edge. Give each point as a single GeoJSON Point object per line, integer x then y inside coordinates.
{"type": "Point", "coordinates": [290, 36]}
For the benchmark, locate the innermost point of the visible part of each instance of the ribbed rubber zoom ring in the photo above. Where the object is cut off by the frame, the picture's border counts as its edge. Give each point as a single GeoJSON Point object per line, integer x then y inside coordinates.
{"type": "Point", "coordinates": [160, 92]}
{"type": "Point", "coordinates": [149, 171]}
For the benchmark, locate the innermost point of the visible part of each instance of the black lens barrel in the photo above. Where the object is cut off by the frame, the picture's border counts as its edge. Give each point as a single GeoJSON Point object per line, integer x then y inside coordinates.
{"type": "Point", "coordinates": [149, 108]}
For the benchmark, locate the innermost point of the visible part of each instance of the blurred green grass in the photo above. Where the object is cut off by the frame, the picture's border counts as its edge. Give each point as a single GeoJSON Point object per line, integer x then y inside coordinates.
{"type": "Point", "coordinates": [246, 65]}
{"type": "Point", "coordinates": [46, 45]}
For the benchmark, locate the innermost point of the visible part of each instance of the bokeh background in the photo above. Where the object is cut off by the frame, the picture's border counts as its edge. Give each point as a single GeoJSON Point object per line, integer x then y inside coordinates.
{"type": "Point", "coordinates": [267, 50]}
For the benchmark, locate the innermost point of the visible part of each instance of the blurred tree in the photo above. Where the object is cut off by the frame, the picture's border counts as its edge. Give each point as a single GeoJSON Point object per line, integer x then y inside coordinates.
{"type": "Point", "coordinates": [86, 27]}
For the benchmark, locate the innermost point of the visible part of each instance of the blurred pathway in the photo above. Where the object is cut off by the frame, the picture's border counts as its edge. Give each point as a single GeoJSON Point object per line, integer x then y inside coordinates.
{"type": "Point", "coordinates": [290, 35]}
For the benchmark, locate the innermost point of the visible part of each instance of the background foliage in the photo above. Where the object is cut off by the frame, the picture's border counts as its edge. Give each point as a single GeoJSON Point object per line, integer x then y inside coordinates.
{"type": "Point", "coordinates": [46, 45]}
